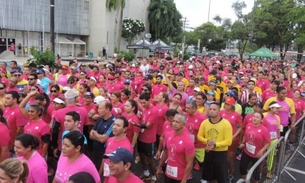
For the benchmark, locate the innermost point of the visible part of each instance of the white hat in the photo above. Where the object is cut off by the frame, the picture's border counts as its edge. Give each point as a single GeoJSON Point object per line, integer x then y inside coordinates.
{"type": "Point", "coordinates": [294, 75]}
{"type": "Point", "coordinates": [217, 62]}
{"type": "Point", "coordinates": [59, 100]}
{"type": "Point", "coordinates": [66, 88]}
{"type": "Point", "coordinates": [197, 89]}
{"type": "Point", "coordinates": [276, 105]}
{"type": "Point", "coordinates": [98, 100]}
{"type": "Point", "coordinates": [71, 94]}
{"type": "Point", "coordinates": [191, 66]}
{"type": "Point", "coordinates": [92, 78]}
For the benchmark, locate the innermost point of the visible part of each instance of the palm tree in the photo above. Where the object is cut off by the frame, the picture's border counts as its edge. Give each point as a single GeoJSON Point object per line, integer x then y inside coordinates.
{"type": "Point", "coordinates": [164, 19]}
{"type": "Point", "coordinates": [118, 5]}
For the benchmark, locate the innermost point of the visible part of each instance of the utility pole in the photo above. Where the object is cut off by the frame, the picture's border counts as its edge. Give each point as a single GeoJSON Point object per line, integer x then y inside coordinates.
{"type": "Point", "coordinates": [185, 21]}
{"type": "Point", "coordinates": [52, 26]}
{"type": "Point", "coordinates": [209, 11]}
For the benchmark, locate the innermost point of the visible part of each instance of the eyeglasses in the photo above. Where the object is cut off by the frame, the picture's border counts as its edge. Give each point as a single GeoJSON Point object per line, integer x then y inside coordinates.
{"type": "Point", "coordinates": [53, 91]}
{"type": "Point", "coordinates": [17, 75]}
{"type": "Point", "coordinates": [30, 79]}
{"type": "Point", "coordinates": [110, 79]}
{"type": "Point", "coordinates": [1, 88]}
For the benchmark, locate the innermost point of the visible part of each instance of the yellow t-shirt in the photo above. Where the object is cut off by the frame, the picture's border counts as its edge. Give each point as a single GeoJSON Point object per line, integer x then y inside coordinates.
{"type": "Point", "coordinates": [258, 90]}
{"type": "Point", "coordinates": [289, 101]}
{"type": "Point", "coordinates": [238, 108]}
{"type": "Point", "coordinates": [220, 132]}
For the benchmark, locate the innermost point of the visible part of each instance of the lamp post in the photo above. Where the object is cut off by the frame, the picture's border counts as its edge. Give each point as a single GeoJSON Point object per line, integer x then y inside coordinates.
{"type": "Point", "coordinates": [209, 11]}
{"type": "Point", "coordinates": [52, 26]}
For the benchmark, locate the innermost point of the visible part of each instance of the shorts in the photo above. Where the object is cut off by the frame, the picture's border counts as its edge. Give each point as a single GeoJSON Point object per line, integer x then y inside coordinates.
{"type": "Point", "coordinates": [244, 162]}
{"type": "Point", "coordinates": [215, 166]}
{"type": "Point", "coordinates": [199, 154]}
{"type": "Point", "coordinates": [285, 129]}
{"type": "Point", "coordinates": [146, 148]}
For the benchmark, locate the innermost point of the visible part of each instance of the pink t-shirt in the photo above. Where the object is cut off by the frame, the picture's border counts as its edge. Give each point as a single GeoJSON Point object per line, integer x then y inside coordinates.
{"type": "Point", "coordinates": [178, 147]}
{"type": "Point", "coordinates": [116, 108]}
{"type": "Point", "coordinates": [299, 108]}
{"type": "Point", "coordinates": [38, 169]}
{"type": "Point", "coordinates": [156, 89]}
{"type": "Point", "coordinates": [38, 129]}
{"type": "Point", "coordinates": [161, 117]}
{"type": "Point", "coordinates": [65, 169]}
{"type": "Point", "coordinates": [193, 124]}
{"type": "Point", "coordinates": [248, 119]}
{"type": "Point", "coordinates": [267, 94]}
{"type": "Point", "coordinates": [8, 89]}
{"type": "Point", "coordinates": [272, 123]}
{"type": "Point", "coordinates": [63, 80]}
{"type": "Point", "coordinates": [233, 117]}
{"type": "Point", "coordinates": [132, 128]}
{"type": "Point", "coordinates": [14, 119]}
{"type": "Point", "coordinates": [255, 137]}
{"type": "Point", "coordinates": [5, 136]}
{"type": "Point", "coordinates": [131, 179]}
{"type": "Point", "coordinates": [111, 145]}
{"type": "Point", "coordinates": [148, 135]}
{"type": "Point", "coordinates": [59, 116]}
{"type": "Point", "coordinates": [284, 112]}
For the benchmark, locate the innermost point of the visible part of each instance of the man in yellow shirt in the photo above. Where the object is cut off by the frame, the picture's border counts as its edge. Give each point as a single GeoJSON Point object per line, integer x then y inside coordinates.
{"type": "Point", "coordinates": [216, 133]}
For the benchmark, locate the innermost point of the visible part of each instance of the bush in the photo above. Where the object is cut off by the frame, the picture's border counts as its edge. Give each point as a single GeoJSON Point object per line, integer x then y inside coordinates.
{"type": "Point", "coordinates": [46, 57]}
{"type": "Point", "coordinates": [128, 55]}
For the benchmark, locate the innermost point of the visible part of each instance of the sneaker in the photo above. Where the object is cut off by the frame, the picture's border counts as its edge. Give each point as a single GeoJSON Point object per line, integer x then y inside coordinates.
{"type": "Point", "coordinates": [238, 157]}
{"type": "Point", "coordinates": [231, 177]}
{"type": "Point", "coordinates": [196, 166]}
{"type": "Point", "coordinates": [269, 175]}
{"type": "Point", "coordinates": [144, 177]}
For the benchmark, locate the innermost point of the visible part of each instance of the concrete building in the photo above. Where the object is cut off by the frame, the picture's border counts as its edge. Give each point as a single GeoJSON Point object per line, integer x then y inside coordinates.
{"type": "Point", "coordinates": [81, 26]}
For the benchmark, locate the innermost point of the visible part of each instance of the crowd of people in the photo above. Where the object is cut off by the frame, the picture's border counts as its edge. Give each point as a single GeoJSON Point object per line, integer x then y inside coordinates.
{"type": "Point", "coordinates": [93, 122]}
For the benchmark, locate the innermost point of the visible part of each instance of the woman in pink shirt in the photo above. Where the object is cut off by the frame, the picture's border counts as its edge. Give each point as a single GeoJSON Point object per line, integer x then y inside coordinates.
{"type": "Point", "coordinates": [162, 107]}
{"type": "Point", "coordinates": [273, 123]}
{"type": "Point", "coordinates": [255, 142]}
{"type": "Point", "coordinates": [13, 170]}
{"type": "Point", "coordinates": [5, 138]}
{"type": "Point", "coordinates": [117, 106]}
{"type": "Point", "coordinates": [25, 148]}
{"type": "Point", "coordinates": [235, 119]}
{"type": "Point", "coordinates": [55, 92]}
{"type": "Point", "coordinates": [299, 104]}
{"type": "Point", "coordinates": [83, 88]}
{"type": "Point", "coordinates": [130, 113]}
{"type": "Point", "coordinates": [73, 160]}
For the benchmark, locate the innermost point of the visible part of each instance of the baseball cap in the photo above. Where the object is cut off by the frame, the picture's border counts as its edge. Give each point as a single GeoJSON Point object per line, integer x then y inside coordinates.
{"type": "Point", "coordinates": [276, 105]}
{"type": "Point", "coordinates": [231, 93]}
{"type": "Point", "coordinates": [230, 101]}
{"type": "Point", "coordinates": [127, 81]}
{"type": "Point", "coordinates": [40, 71]}
{"type": "Point", "coordinates": [110, 76]}
{"type": "Point", "coordinates": [71, 94]}
{"type": "Point", "coordinates": [210, 93]}
{"type": "Point", "coordinates": [64, 67]}
{"type": "Point", "coordinates": [197, 89]}
{"type": "Point", "coordinates": [294, 75]}
{"type": "Point", "coordinates": [83, 73]}
{"type": "Point", "coordinates": [120, 154]}
{"type": "Point", "coordinates": [92, 78]}
{"type": "Point", "coordinates": [66, 88]}
{"type": "Point", "coordinates": [59, 100]}
{"type": "Point", "coordinates": [89, 94]}
{"type": "Point", "coordinates": [98, 100]}
{"type": "Point", "coordinates": [148, 77]}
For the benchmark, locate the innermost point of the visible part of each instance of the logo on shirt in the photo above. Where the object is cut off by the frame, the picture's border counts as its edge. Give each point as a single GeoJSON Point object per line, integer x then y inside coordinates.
{"type": "Point", "coordinates": [213, 134]}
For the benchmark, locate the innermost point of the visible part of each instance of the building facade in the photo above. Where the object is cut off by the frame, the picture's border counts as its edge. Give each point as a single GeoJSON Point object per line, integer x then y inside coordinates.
{"type": "Point", "coordinates": [81, 26]}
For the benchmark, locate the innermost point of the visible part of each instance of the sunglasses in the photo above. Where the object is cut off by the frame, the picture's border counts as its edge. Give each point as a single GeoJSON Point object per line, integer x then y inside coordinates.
{"type": "Point", "coordinates": [110, 79]}
{"type": "Point", "coordinates": [17, 75]}
{"type": "Point", "coordinates": [53, 91]}
{"type": "Point", "coordinates": [1, 88]}
{"type": "Point", "coordinates": [143, 89]}
{"type": "Point", "coordinates": [31, 79]}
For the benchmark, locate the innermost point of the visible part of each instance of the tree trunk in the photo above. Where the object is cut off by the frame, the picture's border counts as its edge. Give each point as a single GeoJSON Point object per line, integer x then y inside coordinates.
{"type": "Point", "coordinates": [300, 53]}
{"type": "Point", "coordinates": [120, 27]}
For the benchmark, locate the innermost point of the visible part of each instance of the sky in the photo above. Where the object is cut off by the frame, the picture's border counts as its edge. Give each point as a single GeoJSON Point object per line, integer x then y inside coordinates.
{"type": "Point", "coordinates": [196, 11]}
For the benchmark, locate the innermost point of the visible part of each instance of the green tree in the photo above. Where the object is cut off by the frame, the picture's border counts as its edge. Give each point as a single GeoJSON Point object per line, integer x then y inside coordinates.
{"type": "Point", "coordinates": [299, 20]}
{"type": "Point", "coordinates": [131, 28]}
{"type": "Point", "coordinates": [117, 5]}
{"type": "Point", "coordinates": [46, 57]}
{"type": "Point", "coordinates": [164, 19]}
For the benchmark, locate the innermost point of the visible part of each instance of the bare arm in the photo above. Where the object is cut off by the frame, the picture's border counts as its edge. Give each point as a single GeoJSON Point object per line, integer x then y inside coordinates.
{"type": "Point", "coordinates": [4, 152]}
{"type": "Point", "coordinates": [188, 168]}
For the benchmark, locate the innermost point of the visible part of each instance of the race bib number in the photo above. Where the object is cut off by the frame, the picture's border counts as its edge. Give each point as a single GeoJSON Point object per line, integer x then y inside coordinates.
{"type": "Point", "coordinates": [192, 137]}
{"type": "Point", "coordinates": [250, 148]}
{"type": "Point", "coordinates": [281, 128]}
{"type": "Point", "coordinates": [172, 171]}
{"type": "Point", "coordinates": [106, 170]}
{"type": "Point", "coordinates": [273, 135]}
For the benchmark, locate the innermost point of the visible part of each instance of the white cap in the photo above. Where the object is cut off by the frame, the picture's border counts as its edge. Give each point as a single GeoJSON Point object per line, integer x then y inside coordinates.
{"type": "Point", "coordinates": [191, 66]}
{"type": "Point", "coordinates": [276, 105]}
{"type": "Point", "coordinates": [98, 100]}
{"type": "Point", "coordinates": [197, 89]}
{"type": "Point", "coordinates": [92, 78]}
{"type": "Point", "coordinates": [217, 62]}
{"type": "Point", "coordinates": [59, 100]}
{"type": "Point", "coordinates": [66, 88]}
{"type": "Point", "coordinates": [294, 75]}
{"type": "Point", "coordinates": [71, 94]}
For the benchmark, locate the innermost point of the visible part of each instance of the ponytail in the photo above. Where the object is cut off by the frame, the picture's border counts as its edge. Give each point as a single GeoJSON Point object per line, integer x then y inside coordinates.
{"type": "Point", "coordinates": [25, 174]}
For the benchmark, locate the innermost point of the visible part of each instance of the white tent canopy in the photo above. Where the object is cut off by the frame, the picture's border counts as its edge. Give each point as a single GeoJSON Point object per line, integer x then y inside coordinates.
{"type": "Point", "coordinates": [74, 50]}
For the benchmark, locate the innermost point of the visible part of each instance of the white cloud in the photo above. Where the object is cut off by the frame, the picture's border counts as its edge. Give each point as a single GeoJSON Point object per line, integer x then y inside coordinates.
{"type": "Point", "coordinates": [196, 11]}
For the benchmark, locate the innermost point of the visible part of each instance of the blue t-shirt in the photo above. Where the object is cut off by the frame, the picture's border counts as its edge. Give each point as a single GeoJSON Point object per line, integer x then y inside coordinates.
{"type": "Point", "coordinates": [44, 84]}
